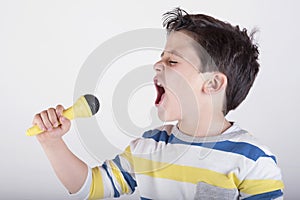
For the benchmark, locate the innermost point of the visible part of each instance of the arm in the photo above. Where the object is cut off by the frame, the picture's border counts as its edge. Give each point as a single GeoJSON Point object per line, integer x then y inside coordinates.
{"type": "Point", "coordinates": [71, 171]}
{"type": "Point", "coordinates": [112, 179]}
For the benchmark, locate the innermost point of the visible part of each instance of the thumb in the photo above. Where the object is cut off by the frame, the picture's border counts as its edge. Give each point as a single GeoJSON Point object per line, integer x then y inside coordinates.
{"type": "Point", "coordinates": [65, 124]}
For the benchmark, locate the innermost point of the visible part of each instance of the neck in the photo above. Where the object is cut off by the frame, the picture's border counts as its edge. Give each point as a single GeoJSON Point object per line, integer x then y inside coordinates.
{"type": "Point", "coordinates": [210, 126]}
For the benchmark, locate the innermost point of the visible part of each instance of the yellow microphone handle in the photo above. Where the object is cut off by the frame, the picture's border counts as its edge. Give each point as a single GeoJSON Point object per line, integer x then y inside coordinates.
{"type": "Point", "coordinates": [35, 130]}
{"type": "Point", "coordinates": [81, 108]}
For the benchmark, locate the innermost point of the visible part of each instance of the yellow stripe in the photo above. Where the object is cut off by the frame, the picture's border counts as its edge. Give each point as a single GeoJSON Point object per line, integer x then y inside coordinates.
{"type": "Point", "coordinates": [96, 190]}
{"type": "Point", "coordinates": [118, 175]}
{"type": "Point", "coordinates": [194, 175]}
{"type": "Point", "coordinates": [127, 155]}
{"type": "Point", "coordinates": [184, 173]}
{"type": "Point", "coordinates": [260, 186]}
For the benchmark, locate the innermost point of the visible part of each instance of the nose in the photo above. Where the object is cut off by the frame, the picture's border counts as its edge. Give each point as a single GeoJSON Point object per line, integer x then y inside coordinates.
{"type": "Point", "coordinates": [159, 66]}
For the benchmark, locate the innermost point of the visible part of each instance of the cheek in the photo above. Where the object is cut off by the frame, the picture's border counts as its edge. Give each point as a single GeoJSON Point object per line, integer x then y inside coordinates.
{"type": "Point", "coordinates": [183, 103]}
{"type": "Point", "coordinates": [181, 84]}
{"type": "Point", "coordinates": [181, 94]}
{"type": "Point", "coordinates": [173, 106]}
{"type": "Point", "coordinates": [171, 109]}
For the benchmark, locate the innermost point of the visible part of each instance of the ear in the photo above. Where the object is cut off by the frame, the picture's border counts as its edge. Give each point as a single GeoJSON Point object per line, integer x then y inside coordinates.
{"type": "Point", "coordinates": [216, 83]}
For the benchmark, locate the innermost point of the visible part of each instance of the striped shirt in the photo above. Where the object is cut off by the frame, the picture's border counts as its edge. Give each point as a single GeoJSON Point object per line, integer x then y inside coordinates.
{"type": "Point", "coordinates": [168, 164]}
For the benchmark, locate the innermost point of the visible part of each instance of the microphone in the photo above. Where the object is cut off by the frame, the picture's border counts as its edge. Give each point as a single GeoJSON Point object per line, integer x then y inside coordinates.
{"type": "Point", "coordinates": [86, 106]}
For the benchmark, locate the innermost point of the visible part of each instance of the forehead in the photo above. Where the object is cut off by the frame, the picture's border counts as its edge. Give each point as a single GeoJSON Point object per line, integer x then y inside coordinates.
{"type": "Point", "coordinates": [182, 45]}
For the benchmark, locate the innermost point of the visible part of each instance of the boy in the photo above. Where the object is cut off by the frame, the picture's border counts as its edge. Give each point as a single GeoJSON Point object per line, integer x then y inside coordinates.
{"type": "Point", "coordinates": [205, 70]}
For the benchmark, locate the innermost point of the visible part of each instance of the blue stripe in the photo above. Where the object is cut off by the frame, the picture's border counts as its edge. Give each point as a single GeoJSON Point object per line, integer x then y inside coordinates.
{"type": "Point", "coordinates": [130, 181]}
{"type": "Point", "coordinates": [245, 149]}
{"type": "Point", "coordinates": [266, 196]}
{"type": "Point", "coordinates": [116, 193]}
{"type": "Point", "coordinates": [157, 135]}
{"type": "Point", "coordinates": [143, 198]}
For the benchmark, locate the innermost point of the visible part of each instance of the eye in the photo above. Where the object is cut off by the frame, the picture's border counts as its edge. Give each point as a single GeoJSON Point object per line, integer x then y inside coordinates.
{"type": "Point", "coordinates": [172, 62]}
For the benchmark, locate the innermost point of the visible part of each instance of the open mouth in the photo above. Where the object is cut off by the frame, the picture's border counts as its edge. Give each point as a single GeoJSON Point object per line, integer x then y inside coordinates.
{"type": "Point", "coordinates": [160, 91]}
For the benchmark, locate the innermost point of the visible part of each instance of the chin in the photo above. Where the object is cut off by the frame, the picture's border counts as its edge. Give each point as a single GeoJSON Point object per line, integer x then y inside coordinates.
{"type": "Point", "coordinates": [165, 116]}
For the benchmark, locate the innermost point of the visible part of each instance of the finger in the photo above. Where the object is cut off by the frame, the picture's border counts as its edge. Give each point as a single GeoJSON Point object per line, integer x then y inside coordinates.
{"type": "Point", "coordinates": [37, 120]}
{"type": "Point", "coordinates": [65, 124]}
{"type": "Point", "coordinates": [45, 119]}
{"type": "Point", "coordinates": [59, 110]}
{"type": "Point", "coordinates": [53, 117]}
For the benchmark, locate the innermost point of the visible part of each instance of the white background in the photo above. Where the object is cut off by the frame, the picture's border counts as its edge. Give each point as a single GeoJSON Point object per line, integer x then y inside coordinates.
{"type": "Point", "coordinates": [44, 43]}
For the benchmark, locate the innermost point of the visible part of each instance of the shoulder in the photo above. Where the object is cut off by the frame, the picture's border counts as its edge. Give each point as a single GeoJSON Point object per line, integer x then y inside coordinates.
{"type": "Point", "coordinates": [260, 170]}
{"type": "Point", "coordinates": [162, 131]}
{"type": "Point", "coordinates": [249, 146]}
{"type": "Point", "coordinates": [151, 137]}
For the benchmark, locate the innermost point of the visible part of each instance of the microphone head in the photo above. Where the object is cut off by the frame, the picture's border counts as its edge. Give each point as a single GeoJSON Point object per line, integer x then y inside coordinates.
{"type": "Point", "coordinates": [93, 103]}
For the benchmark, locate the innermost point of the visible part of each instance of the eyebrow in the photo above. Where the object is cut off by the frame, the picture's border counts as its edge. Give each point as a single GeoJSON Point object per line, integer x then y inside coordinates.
{"type": "Point", "coordinates": [171, 52]}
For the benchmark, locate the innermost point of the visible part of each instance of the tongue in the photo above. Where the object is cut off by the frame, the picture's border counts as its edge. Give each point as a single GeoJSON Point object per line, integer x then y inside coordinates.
{"type": "Point", "coordinates": [162, 98]}
{"type": "Point", "coordinates": [160, 93]}
{"type": "Point", "coordinates": [159, 99]}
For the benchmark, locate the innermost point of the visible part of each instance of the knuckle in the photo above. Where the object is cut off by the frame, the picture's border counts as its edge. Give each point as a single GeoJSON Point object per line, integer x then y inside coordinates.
{"type": "Point", "coordinates": [36, 119]}
{"type": "Point", "coordinates": [36, 116]}
{"type": "Point", "coordinates": [59, 109]}
{"type": "Point", "coordinates": [44, 112]}
{"type": "Point", "coordinates": [49, 110]}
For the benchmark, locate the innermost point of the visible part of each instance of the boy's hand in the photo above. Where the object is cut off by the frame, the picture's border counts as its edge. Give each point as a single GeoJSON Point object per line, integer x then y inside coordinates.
{"type": "Point", "coordinates": [54, 124]}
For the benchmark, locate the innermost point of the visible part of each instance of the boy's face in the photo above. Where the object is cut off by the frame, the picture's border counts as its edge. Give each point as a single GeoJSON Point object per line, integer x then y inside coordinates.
{"type": "Point", "coordinates": [178, 81]}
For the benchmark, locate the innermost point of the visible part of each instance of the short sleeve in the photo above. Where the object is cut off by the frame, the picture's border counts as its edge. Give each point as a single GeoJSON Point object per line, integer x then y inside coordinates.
{"type": "Point", "coordinates": [263, 181]}
{"type": "Point", "coordinates": [112, 179]}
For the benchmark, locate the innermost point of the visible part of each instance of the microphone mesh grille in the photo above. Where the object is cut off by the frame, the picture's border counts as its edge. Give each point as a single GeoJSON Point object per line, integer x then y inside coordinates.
{"type": "Point", "coordinates": [93, 103]}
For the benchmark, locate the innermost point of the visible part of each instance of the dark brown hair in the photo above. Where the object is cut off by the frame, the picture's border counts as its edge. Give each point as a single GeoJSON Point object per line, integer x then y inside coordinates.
{"type": "Point", "coordinates": [231, 49]}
